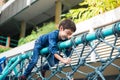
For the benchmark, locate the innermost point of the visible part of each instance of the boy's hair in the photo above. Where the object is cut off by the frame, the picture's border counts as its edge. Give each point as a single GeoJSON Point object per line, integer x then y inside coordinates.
{"type": "Point", "coordinates": [68, 24]}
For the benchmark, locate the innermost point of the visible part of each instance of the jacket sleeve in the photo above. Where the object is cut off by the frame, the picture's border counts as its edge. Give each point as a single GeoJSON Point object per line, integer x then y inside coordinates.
{"type": "Point", "coordinates": [53, 48]}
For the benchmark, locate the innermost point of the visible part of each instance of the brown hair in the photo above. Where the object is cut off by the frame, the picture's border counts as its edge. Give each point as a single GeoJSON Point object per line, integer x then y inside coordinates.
{"type": "Point", "coordinates": [68, 24]}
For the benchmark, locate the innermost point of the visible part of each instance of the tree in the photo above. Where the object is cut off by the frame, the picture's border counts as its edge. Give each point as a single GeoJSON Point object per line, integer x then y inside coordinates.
{"type": "Point", "coordinates": [90, 8]}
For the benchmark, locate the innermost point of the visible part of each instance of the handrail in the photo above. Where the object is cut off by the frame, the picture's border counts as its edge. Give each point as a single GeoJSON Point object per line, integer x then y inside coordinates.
{"type": "Point", "coordinates": [78, 40]}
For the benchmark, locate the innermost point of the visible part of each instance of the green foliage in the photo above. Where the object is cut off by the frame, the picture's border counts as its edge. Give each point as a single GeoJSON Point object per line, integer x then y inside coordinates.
{"type": "Point", "coordinates": [90, 8]}
{"type": "Point", "coordinates": [4, 49]}
{"type": "Point", "coordinates": [46, 28]}
{"type": "Point", "coordinates": [85, 10]}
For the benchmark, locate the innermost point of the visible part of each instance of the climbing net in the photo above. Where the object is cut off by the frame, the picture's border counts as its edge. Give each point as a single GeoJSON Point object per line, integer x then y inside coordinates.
{"type": "Point", "coordinates": [80, 55]}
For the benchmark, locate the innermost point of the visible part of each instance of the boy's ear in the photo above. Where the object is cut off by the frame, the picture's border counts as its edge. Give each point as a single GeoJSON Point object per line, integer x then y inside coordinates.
{"type": "Point", "coordinates": [61, 28]}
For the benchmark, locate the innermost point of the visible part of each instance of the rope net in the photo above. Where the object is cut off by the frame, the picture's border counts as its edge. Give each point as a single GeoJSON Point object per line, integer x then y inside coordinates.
{"type": "Point", "coordinates": [103, 51]}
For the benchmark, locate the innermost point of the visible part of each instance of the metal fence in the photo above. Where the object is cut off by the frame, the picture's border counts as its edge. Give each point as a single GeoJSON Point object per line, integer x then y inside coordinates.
{"type": "Point", "coordinates": [8, 42]}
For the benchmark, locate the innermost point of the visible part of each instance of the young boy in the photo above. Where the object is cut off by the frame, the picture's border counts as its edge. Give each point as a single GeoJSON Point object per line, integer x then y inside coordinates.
{"type": "Point", "coordinates": [66, 29]}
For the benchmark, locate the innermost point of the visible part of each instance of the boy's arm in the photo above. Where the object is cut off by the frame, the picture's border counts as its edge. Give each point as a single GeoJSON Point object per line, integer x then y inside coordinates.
{"type": "Point", "coordinates": [66, 61]}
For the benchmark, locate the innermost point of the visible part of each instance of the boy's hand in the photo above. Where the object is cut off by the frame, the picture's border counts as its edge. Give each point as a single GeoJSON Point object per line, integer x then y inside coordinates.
{"type": "Point", "coordinates": [67, 60]}
{"type": "Point", "coordinates": [69, 37]}
{"type": "Point", "coordinates": [63, 60]}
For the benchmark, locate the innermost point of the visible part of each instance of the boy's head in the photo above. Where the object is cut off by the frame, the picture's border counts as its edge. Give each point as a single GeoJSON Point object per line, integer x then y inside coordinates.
{"type": "Point", "coordinates": [67, 27]}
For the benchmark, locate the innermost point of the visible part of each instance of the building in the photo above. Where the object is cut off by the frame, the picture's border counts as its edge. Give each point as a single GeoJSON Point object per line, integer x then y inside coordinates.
{"type": "Point", "coordinates": [19, 17]}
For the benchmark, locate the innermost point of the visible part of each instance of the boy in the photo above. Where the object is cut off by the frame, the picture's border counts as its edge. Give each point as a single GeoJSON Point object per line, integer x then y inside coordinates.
{"type": "Point", "coordinates": [66, 29]}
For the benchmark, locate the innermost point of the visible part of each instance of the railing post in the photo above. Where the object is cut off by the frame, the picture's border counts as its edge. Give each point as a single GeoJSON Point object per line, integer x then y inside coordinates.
{"type": "Point", "coordinates": [8, 41]}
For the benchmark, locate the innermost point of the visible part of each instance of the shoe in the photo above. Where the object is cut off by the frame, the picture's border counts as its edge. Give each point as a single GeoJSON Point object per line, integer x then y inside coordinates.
{"type": "Point", "coordinates": [22, 78]}
{"type": "Point", "coordinates": [43, 73]}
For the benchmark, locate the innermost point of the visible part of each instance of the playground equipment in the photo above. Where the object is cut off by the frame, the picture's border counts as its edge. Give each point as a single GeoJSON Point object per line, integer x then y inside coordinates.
{"type": "Point", "coordinates": [16, 65]}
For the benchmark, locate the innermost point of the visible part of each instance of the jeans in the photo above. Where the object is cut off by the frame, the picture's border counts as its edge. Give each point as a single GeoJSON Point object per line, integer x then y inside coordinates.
{"type": "Point", "coordinates": [51, 62]}
{"type": "Point", "coordinates": [34, 59]}
{"type": "Point", "coordinates": [36, 52]}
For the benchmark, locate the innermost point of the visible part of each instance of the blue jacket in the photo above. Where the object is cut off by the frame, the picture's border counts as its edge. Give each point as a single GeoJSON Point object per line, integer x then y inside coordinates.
{"type": "Point", "coordinates": [50, 40]}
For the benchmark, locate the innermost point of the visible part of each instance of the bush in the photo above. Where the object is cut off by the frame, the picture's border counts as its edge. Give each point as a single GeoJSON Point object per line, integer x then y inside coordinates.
{"type": "Point", "coordinates": [46, 28]}
{"type": "Point", "coordinates": [4, 49]}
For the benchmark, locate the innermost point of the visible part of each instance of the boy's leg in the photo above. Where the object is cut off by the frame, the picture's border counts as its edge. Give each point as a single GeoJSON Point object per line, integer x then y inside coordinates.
{"type": "Point", "coordinates": [46, 66]}
{"type": "Point", "coordinates": [33, 62]}
{"type": "Point", "coordinates": [51, 61]}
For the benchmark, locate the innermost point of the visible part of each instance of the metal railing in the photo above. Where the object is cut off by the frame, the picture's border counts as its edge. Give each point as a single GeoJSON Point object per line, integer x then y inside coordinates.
{"type": "Point", "coordinates": [8, 42]}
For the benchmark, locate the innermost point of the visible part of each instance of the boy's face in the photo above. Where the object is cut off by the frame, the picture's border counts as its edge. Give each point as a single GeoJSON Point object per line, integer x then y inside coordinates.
{"type": "Point", "coordinates": [65, 33]}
